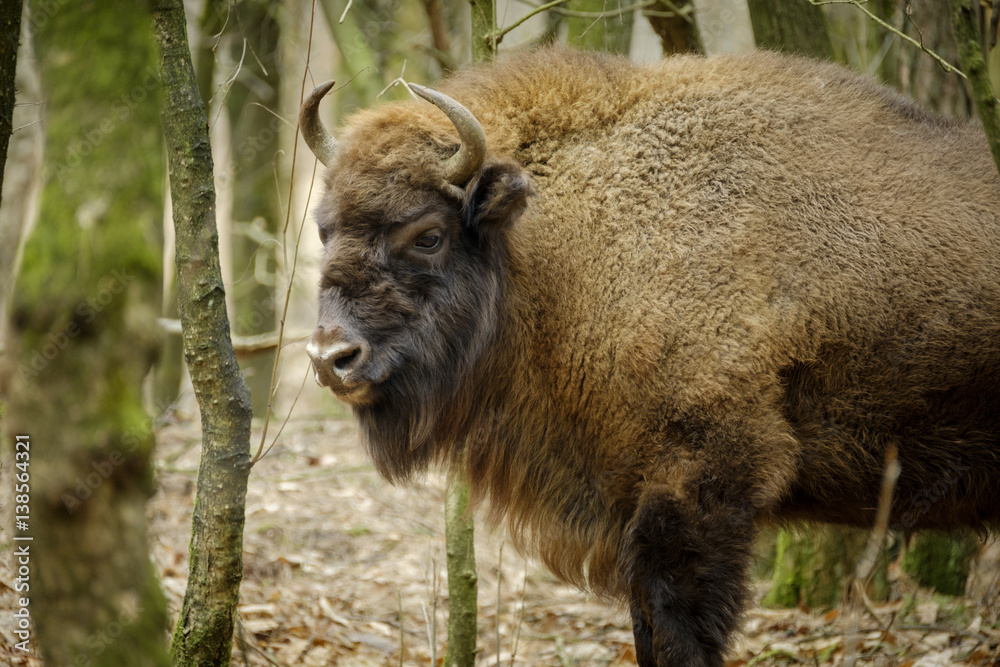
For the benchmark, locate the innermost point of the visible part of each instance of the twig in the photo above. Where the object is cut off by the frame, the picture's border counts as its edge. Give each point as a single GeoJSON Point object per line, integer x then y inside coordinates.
{"type": "Point", "coordinates": [226, 86]}
{"type": "Point", "coordinates": [945, 65]}
{"type": "Point", "coordinates": [288, 416]}
{"type": "Point", "coordinates": [427, 628]}
{"type": "Point", "coordinates": [246, 643]}
{"type": "Point", "coordinates": [295, 256]}
{"type": "Point", "coordinates": [520, 617]}
{"type": "Point", "coordinates": [576, 14]}
{"type": "Point", "coordinates": [587, 29]}
{"type": "Point", "coordinates": [402, 638]}
{"type": "Point", "coordinates": [873, 548]}
{"type": "Point", "coordinates": [909, 17]}
{"type": "Point", "coordinates": [395, 82]}
{"type": "Point", "coordinates": [431, 623]}
{"type": "Point", "coordinates": [499, 580]}
{"type": "Point", "coordinates": [21, 127]}
{"type": "Point", "coordinates": [273, 113]}
{"type": "Point", "coordinates": [684, 12]}
{"type": "Point", "coordinates": [499, 34]}
{"type": "Point", "coordinates": [346, 9]}
{"type": "Point", "coordinates": [446, 62]}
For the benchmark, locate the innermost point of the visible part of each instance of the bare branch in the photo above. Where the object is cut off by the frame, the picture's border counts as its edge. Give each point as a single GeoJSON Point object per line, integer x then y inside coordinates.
{"type": "Point", "coordinates": [499, 34]}
{"type": "Point", "coordinates": [860, 4]}
{"type": "Point", "coordinates": [607, 14]}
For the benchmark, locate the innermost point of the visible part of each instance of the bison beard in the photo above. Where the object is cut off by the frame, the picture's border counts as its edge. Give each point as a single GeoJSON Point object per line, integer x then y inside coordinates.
{"type": "Point", "coordinates": [649, 308]}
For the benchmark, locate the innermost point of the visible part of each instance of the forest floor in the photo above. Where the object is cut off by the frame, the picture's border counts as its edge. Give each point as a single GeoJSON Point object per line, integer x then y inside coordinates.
{"type": "Point", "coordinates": [341, 568]}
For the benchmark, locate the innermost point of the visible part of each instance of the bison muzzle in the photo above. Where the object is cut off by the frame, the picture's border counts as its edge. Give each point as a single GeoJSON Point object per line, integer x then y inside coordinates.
{"type": "Point", "coordinates": [650, 308]}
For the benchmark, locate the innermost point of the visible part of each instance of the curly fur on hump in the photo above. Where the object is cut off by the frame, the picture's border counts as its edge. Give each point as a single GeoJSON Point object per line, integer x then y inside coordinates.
{"type": "Point", "coordinates": [682, 298]}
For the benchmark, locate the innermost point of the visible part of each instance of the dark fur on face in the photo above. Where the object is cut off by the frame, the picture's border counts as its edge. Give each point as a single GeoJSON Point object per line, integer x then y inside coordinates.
{"type": "Point", "coordinates": [429, 318]}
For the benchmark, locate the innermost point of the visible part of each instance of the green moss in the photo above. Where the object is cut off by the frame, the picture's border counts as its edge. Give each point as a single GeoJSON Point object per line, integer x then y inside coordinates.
{"type": "Point", "coordinates": [102, 199]}
{"type": "Point", "coordinates": [941, 560]}
{"type": "Point", "coordinates": [810, 567]}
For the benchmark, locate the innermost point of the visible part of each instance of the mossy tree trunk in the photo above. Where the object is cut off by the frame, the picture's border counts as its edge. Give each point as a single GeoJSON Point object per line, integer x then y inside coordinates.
{"type": "Point", "coordinates": [484, 25]}
{"type": "Point", "coordinates": [794, 26]}
{"type": "Point", "coordinates": [941, 560]}
{"type": "Point", "coordinates": [601, 27]}
{"type": "Point", "coordinates": [463, 582]}
{"type": "Point", "coordinates": [970, 51]}
{"type": "Point", "coordinates": [812, 566]}
{"type": "Point", "coordinates": [85, 338]}
{"type": "Point", "coordinates": [204, 631]}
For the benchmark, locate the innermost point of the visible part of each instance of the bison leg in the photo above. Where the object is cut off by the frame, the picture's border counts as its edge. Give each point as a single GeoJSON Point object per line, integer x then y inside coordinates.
{"type": "Point", "coordinates": [686, 564]}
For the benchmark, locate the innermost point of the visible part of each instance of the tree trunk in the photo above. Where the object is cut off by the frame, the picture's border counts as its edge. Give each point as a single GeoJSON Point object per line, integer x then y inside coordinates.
{"type": "Point", "coordinates": [484, 25]}
{"type": "Point", "coordinates": [812, 567]}
{"type": "Point", "coordinates": [863, 44]}
{"type": "Point", "coordinates": [603, 28]}
{"type": "Point", "coordinates": [678, 30]}
{"type": "Point", "coordinates": [918, 75]}
{"type": "Point", "coordinates": [358, 60]}
{"type": "Point", "coordinates": [463, 590]}
{"type": "Point", "coordinates": [794, 26]}
{"type": "Point", "coordinates": [970, 51]}
{"type": "Point", "coordinates": [253, 105]}
{"type": "Point", "coordinates": [204, 631]}
{"type": "Point", "coordinates": [84, 338]}
{"type": "Point", "coordinates": [170, 367]}
{"type": "Point", "coordinates": [10, 31]}
{"type": "Point", "coordinates": [941, 560]}
{"type": "Point", "coordinates": [22, 179]}
{"type": "Point", "coordinates": [437, 21]}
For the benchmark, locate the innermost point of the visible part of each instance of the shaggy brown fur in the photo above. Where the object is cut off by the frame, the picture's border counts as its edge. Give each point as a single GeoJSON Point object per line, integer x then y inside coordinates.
{"type": "Point", "coordinates": [677, 301]}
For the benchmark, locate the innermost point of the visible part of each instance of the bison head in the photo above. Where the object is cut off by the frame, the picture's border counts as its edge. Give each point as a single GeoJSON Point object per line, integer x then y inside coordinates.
{"type": "Point", "coordinates": [414, 227]}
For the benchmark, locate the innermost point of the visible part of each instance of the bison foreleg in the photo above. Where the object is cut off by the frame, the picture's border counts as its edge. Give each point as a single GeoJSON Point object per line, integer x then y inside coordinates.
{"type": "Point", "coordinates": [686, 564]}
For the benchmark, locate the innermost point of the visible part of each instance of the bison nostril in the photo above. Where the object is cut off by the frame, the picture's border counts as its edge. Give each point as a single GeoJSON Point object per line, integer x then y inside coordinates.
{"type": "Point", "coordinates": [346, 358]}
{"type": "Point", "coordinates": [340, 362]}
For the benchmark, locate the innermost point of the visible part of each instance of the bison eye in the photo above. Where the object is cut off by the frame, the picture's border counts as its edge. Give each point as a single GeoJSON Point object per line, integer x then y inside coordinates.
{"type": "Point", "coordinates": [427, 242]}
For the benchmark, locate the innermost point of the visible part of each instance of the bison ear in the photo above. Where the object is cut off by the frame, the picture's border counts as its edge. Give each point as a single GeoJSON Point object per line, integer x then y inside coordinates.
{"type": "Point", "coordinates": [496, 196]}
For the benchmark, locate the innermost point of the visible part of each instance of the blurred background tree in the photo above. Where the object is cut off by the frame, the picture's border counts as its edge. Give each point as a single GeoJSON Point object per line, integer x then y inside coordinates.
{"type": "Point", "coordinates": [83, 336]}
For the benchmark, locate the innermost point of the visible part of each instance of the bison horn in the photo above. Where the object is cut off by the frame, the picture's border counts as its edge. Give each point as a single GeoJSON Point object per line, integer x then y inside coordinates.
{"type": "Point", "coordinates": [318, 138]}
{"type": "Point", "coordinates": [469, 158]}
